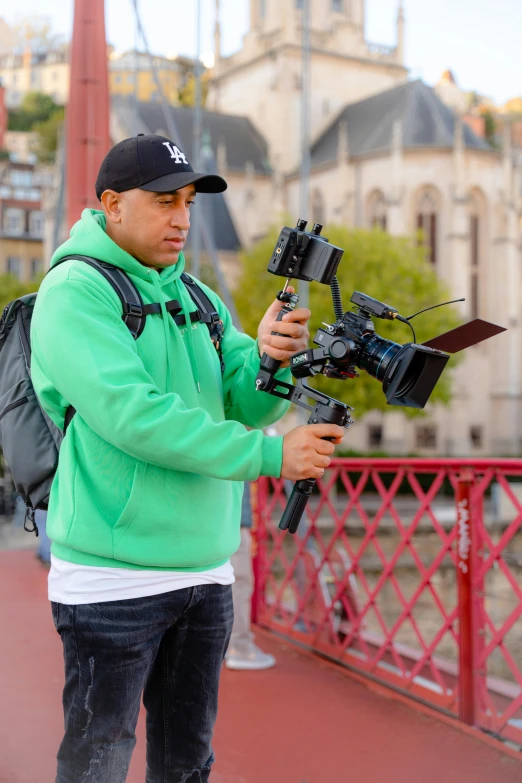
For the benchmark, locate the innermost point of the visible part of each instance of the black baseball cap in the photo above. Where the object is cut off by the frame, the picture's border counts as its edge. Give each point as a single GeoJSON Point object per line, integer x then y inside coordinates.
{"type": "Point", "coordinates": [152, 163]}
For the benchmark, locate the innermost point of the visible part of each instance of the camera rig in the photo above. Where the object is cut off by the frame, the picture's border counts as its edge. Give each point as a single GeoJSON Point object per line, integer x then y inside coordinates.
{"type": "Point", "coordinates": [408, 372]}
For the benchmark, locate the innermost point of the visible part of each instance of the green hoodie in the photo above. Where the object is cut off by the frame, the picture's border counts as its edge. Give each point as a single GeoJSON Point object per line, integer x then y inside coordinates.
{"type": "Point", "coordinates": [151, 471]}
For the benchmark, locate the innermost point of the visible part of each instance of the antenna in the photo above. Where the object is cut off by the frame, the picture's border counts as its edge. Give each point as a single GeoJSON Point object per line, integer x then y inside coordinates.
{"type": "Point", "coordinates": [442, 304]}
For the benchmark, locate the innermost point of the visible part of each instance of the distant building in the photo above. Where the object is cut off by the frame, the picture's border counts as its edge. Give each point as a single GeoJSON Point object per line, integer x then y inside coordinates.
{"type": "Point", "coordinates": [400, 156]}
{"type": "Point", "coordinates": [263, 80]}
{"type": "Point", "coordinates": [130, 73]}
{"type": "Point", "coordinates": [21, 220]}
{"type": "Point", "coordinates": [46, 72]}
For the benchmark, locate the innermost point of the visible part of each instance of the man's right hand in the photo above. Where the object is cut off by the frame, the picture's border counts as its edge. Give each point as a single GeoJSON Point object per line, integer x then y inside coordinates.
{"type": "Point", "coordinates": [305, 454]}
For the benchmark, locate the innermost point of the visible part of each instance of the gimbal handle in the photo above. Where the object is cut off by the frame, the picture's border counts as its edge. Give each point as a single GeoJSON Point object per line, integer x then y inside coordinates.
{"type": "Point", "coordinates": [269, 366]}
{"type": "Point", "coordinates": [330, 412]}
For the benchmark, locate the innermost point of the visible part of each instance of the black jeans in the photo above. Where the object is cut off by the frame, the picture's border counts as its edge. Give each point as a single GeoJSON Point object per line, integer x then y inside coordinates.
{"type": "Point", "coordinates": [169, 647]}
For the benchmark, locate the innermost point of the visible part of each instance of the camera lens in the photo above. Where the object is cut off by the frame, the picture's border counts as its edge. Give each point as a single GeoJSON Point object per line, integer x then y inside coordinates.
{"type": "Point", "coordinates": [376, 356]}
{"type": "Point", "coordinates": [411, 372]}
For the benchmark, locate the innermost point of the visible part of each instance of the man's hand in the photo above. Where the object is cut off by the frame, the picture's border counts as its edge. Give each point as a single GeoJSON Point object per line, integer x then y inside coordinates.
{"type": "Point", "coordinates": [292, 327]}
{"type": "Point", "coordinates": [305, 454]}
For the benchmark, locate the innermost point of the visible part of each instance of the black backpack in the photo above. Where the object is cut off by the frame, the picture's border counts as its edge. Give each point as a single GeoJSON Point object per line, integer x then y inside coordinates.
{"type": "Point", "coordinates": [29, 440]}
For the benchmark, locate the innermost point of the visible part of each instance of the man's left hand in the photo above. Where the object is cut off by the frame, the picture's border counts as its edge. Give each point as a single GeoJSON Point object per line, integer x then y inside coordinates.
{"type": "Point", "coordinates": [293, 329]}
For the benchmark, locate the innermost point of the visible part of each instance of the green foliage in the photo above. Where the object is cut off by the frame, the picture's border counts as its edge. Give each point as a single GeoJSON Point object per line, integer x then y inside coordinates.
{"type": "Point", "coordinates": [187, 93]}
{"type": "Point", "coordinates": [48, 132]}
{"type": "Point", "coordinates": [391, 269]}
{"type": "Point", "coordinates": [11, 288]}
{"type": "Point", "coordinates": [35, 108]}
{"type": "Point", "coordinates": [490, 127]}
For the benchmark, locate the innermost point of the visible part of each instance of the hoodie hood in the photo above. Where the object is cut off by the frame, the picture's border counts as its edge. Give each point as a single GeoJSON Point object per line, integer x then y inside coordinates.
{"type": "Point", "coordinates": [88, 237]}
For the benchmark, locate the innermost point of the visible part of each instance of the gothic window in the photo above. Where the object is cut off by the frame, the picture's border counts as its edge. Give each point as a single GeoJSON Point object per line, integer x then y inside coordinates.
{"type": "Point", "coordinates": [426, 436]}
{"type": "Point", "coordinates": [377, 210]}
{"type": "Point", "coordinates": [299, 4]}
{"type": "Point", "coordinates": [262, 8]}
{"type": "Point", "coordinates": [476, 435]}
{"type": "Point", "coordinates": [476, 220]}
{"type": "Point", "coordinates": [374, 436]}
{"type": "Point", "coordinates": [427, 220]}
{"type": "Point", "coordinates": [318, 207]}
{"type": "Point", "coordinates": [337, 5]}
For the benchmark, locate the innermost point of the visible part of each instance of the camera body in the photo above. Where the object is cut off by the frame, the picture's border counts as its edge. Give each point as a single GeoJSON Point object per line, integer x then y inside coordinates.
{"type": "Point", "coordinates": [408, 373]}
{"type": "Point", "coordinates": [305, 255]}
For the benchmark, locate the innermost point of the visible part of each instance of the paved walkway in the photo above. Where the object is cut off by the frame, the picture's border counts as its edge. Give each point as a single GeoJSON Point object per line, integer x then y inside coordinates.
{"type": "Point", "coordinates": [303, 722]}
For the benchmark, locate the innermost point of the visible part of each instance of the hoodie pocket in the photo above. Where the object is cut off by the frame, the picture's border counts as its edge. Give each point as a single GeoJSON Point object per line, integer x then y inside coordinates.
{"type": "Point", "coordinates": [133, 503]}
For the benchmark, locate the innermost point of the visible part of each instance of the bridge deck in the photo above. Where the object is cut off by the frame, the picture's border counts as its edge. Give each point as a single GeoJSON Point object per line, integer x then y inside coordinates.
{"type": "Point", "coordinates": [304, 721]}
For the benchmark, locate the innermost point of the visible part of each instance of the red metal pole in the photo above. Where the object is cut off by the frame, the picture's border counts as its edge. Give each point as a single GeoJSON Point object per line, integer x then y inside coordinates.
{"type": "Point", "coordinates": [87, 122]}
{"type": "Point", "coordinates": [465, 556]}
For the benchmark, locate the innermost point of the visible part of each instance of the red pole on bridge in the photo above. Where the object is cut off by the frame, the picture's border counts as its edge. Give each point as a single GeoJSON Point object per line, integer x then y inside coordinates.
{"type": "Point", "coordinates": [465, 557]}
{"type": "Point", "coordinates": [87, 123]}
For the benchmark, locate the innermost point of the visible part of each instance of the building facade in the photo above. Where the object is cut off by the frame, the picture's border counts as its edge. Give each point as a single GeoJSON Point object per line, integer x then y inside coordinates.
{"type": "Point", "coordinates": [130, 74]}
{"type": "Point", "coordinates": [46, 72]}
{"type": "Point", "coordinates": [391, 154]}
{"type": "Point", "coordinates": [21, 221]}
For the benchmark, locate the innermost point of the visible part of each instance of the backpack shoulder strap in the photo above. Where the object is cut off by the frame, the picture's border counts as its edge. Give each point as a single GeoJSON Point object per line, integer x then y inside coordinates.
{"type": "Point", "coordinates": [197, 295]}
{"type": "Point", "coordinates": [208, 314]}
{"type": "Point", "coordinates": [134, 311]}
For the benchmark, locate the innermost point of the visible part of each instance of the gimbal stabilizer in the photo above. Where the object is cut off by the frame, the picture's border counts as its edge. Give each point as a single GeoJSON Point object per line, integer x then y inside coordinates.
{"type": "Point", "coordinates": [408, 373]}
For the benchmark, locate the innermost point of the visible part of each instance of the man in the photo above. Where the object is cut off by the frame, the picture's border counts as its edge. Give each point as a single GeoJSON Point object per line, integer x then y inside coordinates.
{"type": "Point", "coordinates": [144, 510]}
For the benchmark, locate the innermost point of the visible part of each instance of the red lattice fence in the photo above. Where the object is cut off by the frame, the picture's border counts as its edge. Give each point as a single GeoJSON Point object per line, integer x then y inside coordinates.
{"type": "Point", "coordinates": [409, 571]}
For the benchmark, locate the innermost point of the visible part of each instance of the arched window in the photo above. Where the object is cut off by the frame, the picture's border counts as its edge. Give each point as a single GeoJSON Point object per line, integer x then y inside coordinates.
{"type": "Point", "coordinates": [318, 207]}
{"type": "Point", "coordinates": [427, 208]}
{"type": "Point", "coordinates": [262, 9]}
{"type": "Point", "coordinates": [476, 231]}
{"type": "Point", "coordinates": [377, 210]}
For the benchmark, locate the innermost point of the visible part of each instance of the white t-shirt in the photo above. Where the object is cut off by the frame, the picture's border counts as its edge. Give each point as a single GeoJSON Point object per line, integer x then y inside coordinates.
{"type": "Point", "coordinates": [70, 583]}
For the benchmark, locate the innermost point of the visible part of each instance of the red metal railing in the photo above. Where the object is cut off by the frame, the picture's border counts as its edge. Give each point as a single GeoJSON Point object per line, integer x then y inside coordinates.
{"type": "Point", "coordinates": [409, 571]}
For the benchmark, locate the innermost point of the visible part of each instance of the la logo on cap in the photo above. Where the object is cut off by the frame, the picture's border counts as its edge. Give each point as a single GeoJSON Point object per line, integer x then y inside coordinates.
{"type": "Point", "coordinates": [175, 153]}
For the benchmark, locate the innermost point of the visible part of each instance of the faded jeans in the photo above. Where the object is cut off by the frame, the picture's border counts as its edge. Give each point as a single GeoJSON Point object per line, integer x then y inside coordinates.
{"type": "Point", "coordinates": [242, 637]}
{"type": "Point", "coordinates": [168, 647]}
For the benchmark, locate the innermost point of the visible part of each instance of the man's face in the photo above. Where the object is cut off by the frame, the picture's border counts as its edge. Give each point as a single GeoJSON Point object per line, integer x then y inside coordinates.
{"type": "Point", "coordinates": [151, 227]}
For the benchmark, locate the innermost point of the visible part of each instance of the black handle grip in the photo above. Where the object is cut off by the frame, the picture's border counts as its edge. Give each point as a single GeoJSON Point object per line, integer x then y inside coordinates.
{"type": "Point", "coordinates": [267, 363]}
{"type": "Point", "coordinates": [296, 505]}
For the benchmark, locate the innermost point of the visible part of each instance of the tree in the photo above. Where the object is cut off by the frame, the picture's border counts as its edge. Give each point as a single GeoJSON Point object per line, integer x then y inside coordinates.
{"type": "Point", "coordinates": [11, 288]}
{"type": "Point", "coordinates": [35, 33]}
{"type": "Point", "coordinates": [187, 93]}
{"type": "Point", "coordinates": [391, 269]}
{"type": "Point", "coordinates": [47, 138]}
{"type": "Point", "coordinates": [490, 126]}
{"type": "Point", "coordinates": [35, 108]}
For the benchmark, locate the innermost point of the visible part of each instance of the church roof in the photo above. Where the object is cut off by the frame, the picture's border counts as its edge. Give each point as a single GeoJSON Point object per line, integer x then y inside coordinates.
{"type": "Point", "coordinates": [242, 141]}
{"type": "Point", "coordinates": [426, 123]}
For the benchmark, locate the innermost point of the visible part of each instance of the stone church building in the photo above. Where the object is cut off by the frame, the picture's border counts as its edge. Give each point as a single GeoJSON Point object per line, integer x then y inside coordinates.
{"type": "Point", "coordinates": [385, 151]}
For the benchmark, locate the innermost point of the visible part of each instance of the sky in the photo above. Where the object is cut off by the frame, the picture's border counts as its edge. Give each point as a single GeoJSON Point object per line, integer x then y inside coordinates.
{"type": "Point", "coordinates": [480, 40]}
